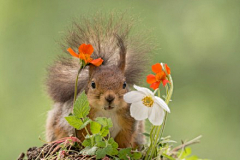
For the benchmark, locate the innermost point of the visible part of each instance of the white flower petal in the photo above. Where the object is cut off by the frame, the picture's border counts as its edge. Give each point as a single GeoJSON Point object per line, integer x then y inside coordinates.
{"type": "Point", "coordinates": [161, 103]}
{"type": "Point", "coordinates": [144, 90]}
{"type": "Point", "coordinates": [133, 96]}
{"type": "Point", "coordinates": [139, 111]}
{"type": "Point", "coordinates": [156, 115]}
{"type": "Point", "coordinates": [149, 111]}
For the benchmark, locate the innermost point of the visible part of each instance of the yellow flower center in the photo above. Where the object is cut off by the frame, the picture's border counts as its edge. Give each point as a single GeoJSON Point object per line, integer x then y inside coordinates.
{"type": "Point", "coordinates": [148, 101]}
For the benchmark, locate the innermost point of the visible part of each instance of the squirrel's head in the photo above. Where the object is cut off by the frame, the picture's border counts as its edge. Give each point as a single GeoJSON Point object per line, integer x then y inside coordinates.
{"type": "Point", "coordinates": [106, 88]}
{"type": "Point", "coordinates": [107, 84]}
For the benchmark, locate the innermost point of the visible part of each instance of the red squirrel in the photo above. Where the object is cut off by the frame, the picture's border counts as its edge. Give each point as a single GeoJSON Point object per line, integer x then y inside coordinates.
{"type": "Point", "coordinates": [125, 57]}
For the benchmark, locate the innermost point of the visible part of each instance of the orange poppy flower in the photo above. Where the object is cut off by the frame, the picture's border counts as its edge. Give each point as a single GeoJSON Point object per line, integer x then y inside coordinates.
{"type": "Point", "coordinates": [160, 76]}
{"type": "Point", "coordinates": [85, 52]}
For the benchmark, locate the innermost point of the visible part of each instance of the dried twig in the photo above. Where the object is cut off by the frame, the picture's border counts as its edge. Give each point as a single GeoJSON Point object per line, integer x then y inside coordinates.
{"type": "Point", "coordinates": [193, 141]}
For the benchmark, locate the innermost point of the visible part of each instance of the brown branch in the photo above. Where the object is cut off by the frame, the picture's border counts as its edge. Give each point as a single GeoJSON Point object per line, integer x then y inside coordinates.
{"type": "Point", "coordinates": [193, 141]}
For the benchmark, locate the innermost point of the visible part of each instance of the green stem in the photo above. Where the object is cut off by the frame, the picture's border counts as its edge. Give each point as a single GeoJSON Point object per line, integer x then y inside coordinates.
{"type": "Point", "coordinates": [155, 139]}
{"type": "Point", "coordinates": [157, 131]}
{"type": "Point", "coordinates": [153, 133]}
{"type": "Point", "coordinates": [75, 91]}
{"type": "Point", "coordinates": [76, 84]}
{"type": "Point", "coordinates": [151, 139]}
{"type": "Point", "coordinates": [168, 98]}
{"type": "Point", "coordinates": [163, 125]}
{"type": "Point", "coordinates": [154, 146]}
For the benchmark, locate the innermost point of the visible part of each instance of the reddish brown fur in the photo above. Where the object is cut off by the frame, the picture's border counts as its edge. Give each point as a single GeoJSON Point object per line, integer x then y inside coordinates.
{"type": "Point", "coordinates": [126, 137]}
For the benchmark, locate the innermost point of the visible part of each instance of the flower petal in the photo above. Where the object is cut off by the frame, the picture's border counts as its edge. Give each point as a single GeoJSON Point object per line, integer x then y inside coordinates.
{"type": "Point", "coordinates": [86, 49]}
{"type": "Point", "coordinates": [139, 111]}
{"type": "Point", "coordinates": [165, 81]}
{"type": "Point", "coordinates": [156, 115]}
{"type": "Point", "coordinates": [156, 68]}
{"type": "Point", "coordinates": [155, 85]}
{"type": "Point", "coordinates": [144, 90]}
{"type": "Point", "coordinates": [74, 54]}
{"type": "Point", "coordinates": [97, 62]}
{"type": "Point", "coordinates": [151, 79]}
{"type": "Point", "coordinates": [167, 69]}
{"type": "Point", "coordinates": [83, 57]}
{"type": "Point", "coordinates": [133, 96]}
{"type": "Point", "coordinates": [162, 103]}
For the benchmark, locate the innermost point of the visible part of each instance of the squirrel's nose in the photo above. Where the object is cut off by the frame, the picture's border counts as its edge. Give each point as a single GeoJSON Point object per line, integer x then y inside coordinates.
{"type": "Point", "coordinates": [110, 98]}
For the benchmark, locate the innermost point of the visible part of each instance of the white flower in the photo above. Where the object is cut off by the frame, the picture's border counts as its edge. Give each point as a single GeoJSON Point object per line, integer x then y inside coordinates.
{"type": "Point", "coordinates": [145, 105]}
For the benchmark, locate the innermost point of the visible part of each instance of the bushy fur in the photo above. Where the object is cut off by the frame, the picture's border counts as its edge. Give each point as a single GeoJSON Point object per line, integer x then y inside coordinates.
{"type": "Point", "coordinates": [101, 32]}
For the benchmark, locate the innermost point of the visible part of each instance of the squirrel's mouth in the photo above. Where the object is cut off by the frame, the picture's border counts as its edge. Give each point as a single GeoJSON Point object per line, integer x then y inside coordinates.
{"type": "Point", "coordinates": [108, 108]}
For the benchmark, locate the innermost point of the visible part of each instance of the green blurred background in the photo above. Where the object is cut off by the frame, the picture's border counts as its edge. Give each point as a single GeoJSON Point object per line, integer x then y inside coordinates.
{"type": "Point", "coordinates": [199, 40]}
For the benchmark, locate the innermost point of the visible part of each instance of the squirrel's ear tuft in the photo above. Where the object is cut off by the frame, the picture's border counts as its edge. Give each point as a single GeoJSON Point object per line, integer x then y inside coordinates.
{"type": "Point", "coordinates": [122, 53]}
{"type": "Point", "coordinates": [91, 69]}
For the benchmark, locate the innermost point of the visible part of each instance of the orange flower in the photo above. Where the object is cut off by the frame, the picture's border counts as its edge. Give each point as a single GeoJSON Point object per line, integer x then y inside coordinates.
{"type": "Point", "coordinates": [85, 52]}
{"type": "Point", "coordinates": [160, 76]}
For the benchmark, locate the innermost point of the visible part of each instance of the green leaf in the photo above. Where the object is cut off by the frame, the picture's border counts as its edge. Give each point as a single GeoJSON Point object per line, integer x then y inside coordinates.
{"type": "Point", "coordinates": [114, 152]}
{"type": "Point", "coordinates": [137, 155]}
{"type": "Point", "coordinates": [105, 122]}
{"type": "Point", "coordinates": [74, 121]}
{"type": "Point", "coordinates": [192, 158]}
{"type": "Point", "coordinates": [109, 149]}
{"type": "Point", "coordinates": [146, 134]}
{"type": "Point", "coordinates": [113, 143]}
{"type": "Point", "coordinates": [109, 121]}
{"type": "Point", "coordinates": [104, 131]}
{"type": "Point", "coordinates": [87, 142]}
{"type": "Point", "coordinates": [186, 152]}
{"type": "Point", "coordinates": [101, 144]}
{"type": "Point", "coordinates": [101, 152]}
{"type": "Point", "coordinates": [85, 123]}
{"type": "Point", "coordinates": [89, 150]}
{"type": "Point", "coordinates": [95, 127]}
{"type": "Point", "coordinates": [97, 138]}
{"type": "Point", "coordinates": [168, 157]}
{"type": "Point", "coordinates": [81, 106]}
{"type": "Point", "coordinates": [123, 153]}
{"type": "Point", "coordinates": [101, 120]}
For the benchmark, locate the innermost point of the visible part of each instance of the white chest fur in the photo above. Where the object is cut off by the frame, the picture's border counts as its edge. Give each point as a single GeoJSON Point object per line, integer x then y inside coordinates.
{"type": "Point", "coordinates": [113, 115]}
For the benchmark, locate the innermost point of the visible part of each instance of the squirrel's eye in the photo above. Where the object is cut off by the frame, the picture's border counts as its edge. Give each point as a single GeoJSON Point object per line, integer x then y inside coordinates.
{"type": "Point", "coordinates": [124, 85]}
{"type": "Point", "coordinates": [93, 85]}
